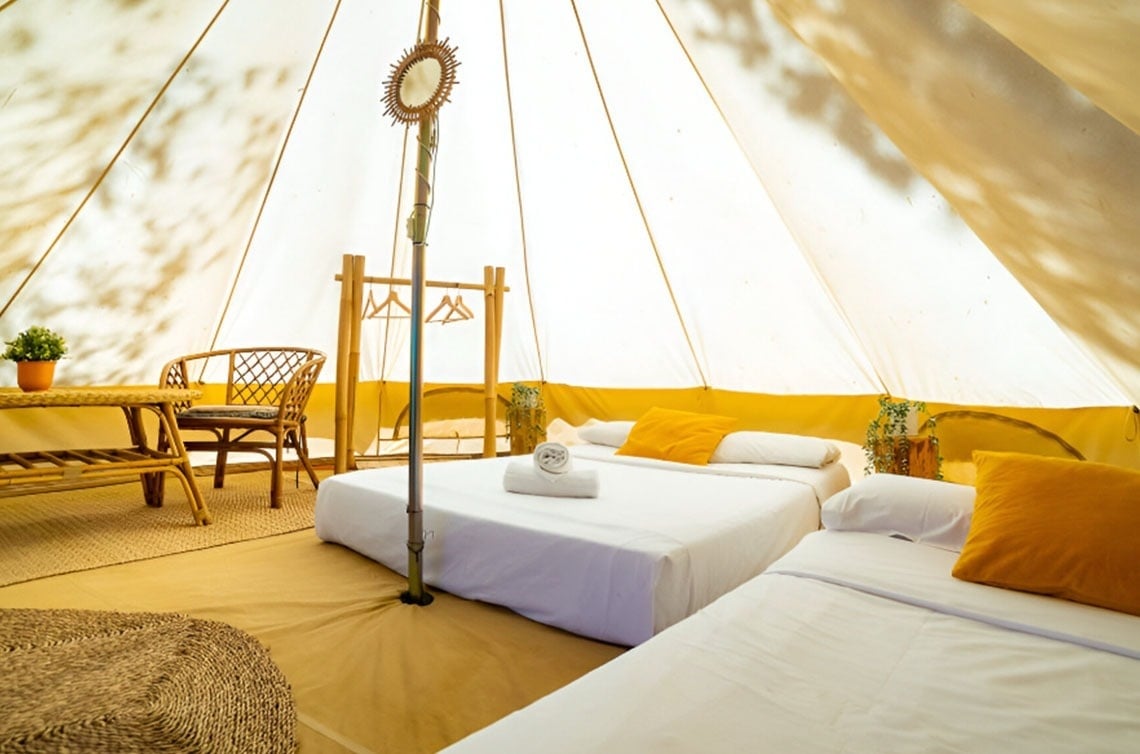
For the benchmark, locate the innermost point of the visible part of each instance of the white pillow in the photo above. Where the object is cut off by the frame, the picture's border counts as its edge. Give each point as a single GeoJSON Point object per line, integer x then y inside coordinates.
{"type": "Point", "coordinates": [606, 433]}
{"type": "Point", "coordinates": [920, 510]}
{"type": "Point", "coordinates": [773, 447]}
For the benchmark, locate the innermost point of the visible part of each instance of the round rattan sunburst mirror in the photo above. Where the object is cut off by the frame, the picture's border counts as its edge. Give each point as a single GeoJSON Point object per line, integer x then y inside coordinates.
{"type": "Point", "coordinates": [420, 82]}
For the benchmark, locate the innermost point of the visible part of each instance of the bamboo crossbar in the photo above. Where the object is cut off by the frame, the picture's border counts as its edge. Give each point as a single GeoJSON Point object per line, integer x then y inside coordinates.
{"type": "Point", "coordinates": [371, 280]}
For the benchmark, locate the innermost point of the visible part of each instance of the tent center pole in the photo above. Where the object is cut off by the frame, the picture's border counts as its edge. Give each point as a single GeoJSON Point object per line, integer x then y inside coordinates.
{"type": "Point", "coordinates": [416, 594]}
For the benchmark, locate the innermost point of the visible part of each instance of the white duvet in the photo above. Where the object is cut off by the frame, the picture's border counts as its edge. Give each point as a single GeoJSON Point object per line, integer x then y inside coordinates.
{"type": "Point", "coordinates": [657, 544]}
{"type": "Point", "coordinates": [855, 642]}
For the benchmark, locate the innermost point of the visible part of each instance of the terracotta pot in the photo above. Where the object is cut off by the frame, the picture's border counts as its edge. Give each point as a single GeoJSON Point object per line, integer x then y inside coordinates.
{"type": "Point", "coordinates": [33, 376]}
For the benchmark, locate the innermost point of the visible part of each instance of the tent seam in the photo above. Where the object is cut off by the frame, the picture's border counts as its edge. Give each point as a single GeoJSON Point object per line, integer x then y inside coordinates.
{"type": "Point", "coordinates": [637, 199]}
{"type": "Point", "coordinates": [272, 178]}
{"type": "Point", "coordinates": [800, 245]}
{"type": "Point", "coordinates": [113, 161]}
{"type": "Point", "coordinates": [382, 366]}
{"type": "Point", "coordinates": [518, 194]}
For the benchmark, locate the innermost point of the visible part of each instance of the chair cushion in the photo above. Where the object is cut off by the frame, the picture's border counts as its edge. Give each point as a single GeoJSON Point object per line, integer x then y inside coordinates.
{"type": "Point", "coordinates": [229, 412]}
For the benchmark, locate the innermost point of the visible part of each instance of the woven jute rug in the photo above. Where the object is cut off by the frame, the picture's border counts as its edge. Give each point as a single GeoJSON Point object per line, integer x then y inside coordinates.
{"type": "Point", "coordinates": [61, 532]}
{"type": "Point", "coordinates": [92, 681]}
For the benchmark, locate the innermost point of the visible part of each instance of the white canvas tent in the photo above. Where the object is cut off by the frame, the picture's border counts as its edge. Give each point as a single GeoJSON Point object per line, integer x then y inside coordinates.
{"type": "Point", "coordinates": [824, 200]}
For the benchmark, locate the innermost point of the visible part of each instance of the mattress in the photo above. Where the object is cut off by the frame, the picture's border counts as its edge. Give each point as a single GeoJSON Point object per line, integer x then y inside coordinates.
{"type": "Point", "coordinates": [855, 642]}
{"type": "Point", "coordinates": [659, 542]}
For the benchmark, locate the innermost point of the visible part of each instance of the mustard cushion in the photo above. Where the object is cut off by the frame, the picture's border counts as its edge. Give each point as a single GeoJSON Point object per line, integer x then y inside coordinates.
{"type": "Point", "coordinates": [1055, 526]}
{"type": "Point", "coordinates": [681, 436]}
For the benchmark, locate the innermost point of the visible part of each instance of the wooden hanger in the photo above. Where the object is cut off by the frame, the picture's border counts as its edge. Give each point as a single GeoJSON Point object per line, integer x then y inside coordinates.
{"type": "Point", "coordinates": [462, 308]}
{"type": "Point", "coordinates": [450, 310]}
{"type": "Point", "coordinates": [390, 308]}
{"type": "Point", "coordinates": [445, 306]}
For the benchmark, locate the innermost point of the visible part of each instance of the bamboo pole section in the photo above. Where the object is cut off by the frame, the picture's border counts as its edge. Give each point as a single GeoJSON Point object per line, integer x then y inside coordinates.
{"type": "Point", "coordinates": [490, 345]}
{"type": "Point", "coordinates": [493, 347]}
{"type": "Point", "coordinates": [344, 330]}
{"type": "Point", "coordinates": [500, 289]}
{"type": "Point", "coordinates": [354, 357]}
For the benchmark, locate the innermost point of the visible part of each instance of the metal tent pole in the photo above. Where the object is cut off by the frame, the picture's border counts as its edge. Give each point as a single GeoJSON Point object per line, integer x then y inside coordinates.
{"type": "Point", "coordinates": [416, 594]}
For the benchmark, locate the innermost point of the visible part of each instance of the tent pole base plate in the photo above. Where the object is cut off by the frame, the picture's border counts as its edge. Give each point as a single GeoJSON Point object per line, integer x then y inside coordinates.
{"type": "Point", "coordinates": [409, 599]}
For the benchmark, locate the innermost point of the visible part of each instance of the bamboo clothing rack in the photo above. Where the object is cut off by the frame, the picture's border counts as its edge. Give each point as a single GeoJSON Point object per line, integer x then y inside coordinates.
{"type": "Point", "coordinates": [352, 281]}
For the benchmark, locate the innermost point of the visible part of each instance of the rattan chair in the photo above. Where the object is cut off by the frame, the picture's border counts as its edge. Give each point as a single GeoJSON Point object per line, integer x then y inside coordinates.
{"type": "Point", "coordinates": [266, 391]}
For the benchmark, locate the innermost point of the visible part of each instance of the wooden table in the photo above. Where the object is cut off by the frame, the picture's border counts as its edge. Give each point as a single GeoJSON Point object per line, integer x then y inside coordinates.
{"type": "Point", "coordinates": [28, 472]}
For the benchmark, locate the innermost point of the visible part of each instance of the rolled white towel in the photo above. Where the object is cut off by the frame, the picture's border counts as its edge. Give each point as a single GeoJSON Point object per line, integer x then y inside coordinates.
{"type": "Point", "coordinates": [552, 459]}
{"type": "Point", "coordinates": [525, 479]}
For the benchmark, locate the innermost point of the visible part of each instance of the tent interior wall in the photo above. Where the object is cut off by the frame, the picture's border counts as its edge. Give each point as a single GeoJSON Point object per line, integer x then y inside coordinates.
{"type": "Point", "coordinates": [778, 210]}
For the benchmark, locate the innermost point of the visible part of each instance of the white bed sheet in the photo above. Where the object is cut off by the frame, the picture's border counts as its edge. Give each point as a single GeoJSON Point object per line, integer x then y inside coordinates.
{"type": "Point", "coordinates": [793, 661]}
{"type": "Point", "coordinates": [657, 544]}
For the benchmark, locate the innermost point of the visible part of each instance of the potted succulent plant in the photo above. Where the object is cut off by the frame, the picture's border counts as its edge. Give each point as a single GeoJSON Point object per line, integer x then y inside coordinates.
{"type": "Point", "coordinates": [35, 352]}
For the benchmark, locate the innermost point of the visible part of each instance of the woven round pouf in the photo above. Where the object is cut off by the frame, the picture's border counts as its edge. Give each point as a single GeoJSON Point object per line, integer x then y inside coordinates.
{"type": "Point", "coordinates": [80, 680]}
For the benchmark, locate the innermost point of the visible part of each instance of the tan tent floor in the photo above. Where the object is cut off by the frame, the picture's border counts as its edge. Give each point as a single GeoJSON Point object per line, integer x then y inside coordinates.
{"type": "Point", "coordinates": [368, 673]}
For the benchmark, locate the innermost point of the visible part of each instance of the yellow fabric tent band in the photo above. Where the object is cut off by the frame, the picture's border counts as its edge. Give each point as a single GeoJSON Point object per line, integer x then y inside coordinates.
{"type": "Point", "coordinates": [1103, 434]}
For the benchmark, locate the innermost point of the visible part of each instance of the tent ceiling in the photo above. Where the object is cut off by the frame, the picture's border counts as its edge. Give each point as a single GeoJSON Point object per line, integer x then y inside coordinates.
{"type": "Point", "coordinates": [1092, 46]}
{"type": "Point", "coordinates": [933, 198]}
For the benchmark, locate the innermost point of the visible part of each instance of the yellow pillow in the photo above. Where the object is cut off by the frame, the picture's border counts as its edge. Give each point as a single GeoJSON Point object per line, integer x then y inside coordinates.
{"type": "Point", "coordinates": [1055, 526]}
{"type": "Point", "coordinates": [676, 436]}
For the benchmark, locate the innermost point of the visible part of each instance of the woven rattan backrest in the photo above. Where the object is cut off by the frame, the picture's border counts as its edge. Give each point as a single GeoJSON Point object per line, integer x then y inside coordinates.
{"type": "Point", "coordinates": [255, 376]}
{"type": "Point", "coordinates": [299, 389]}
{"type": "Point", "coordinates": [176, 375]}
{"type": "Point", "coordinates": [259, 375]}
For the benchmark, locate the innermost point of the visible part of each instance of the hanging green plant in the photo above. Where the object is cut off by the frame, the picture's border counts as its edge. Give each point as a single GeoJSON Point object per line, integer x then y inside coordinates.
{"type": "Point", "coordinates": [892, 445]}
